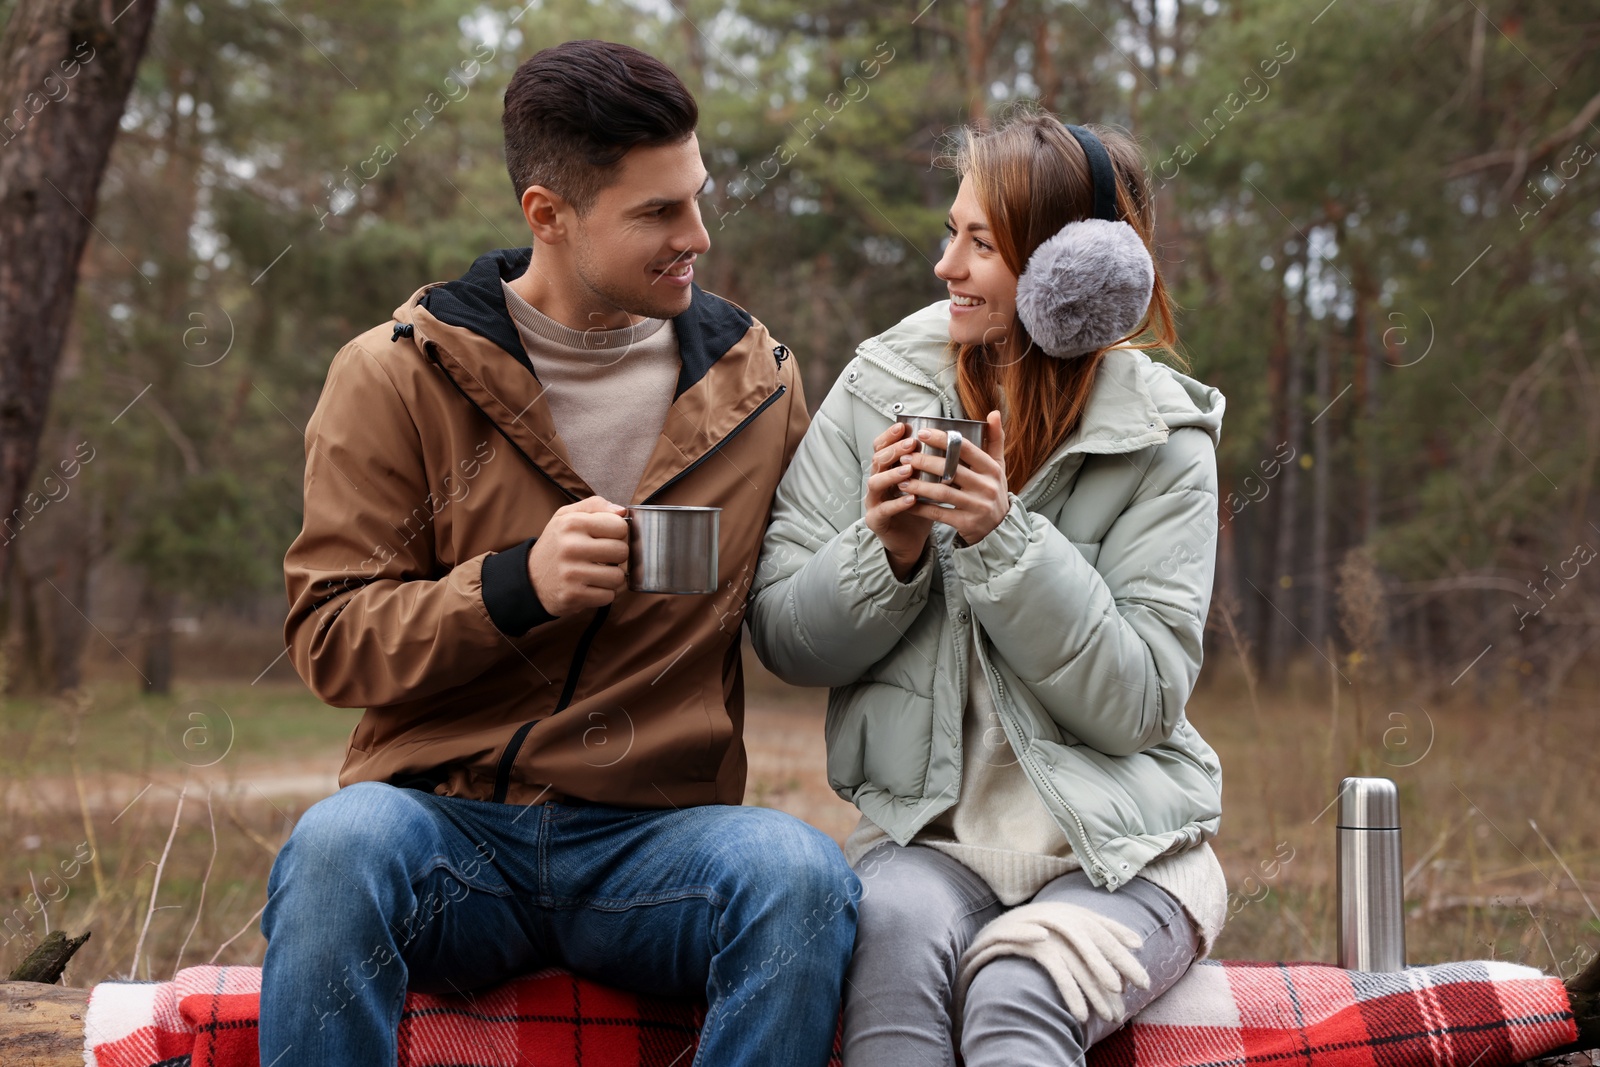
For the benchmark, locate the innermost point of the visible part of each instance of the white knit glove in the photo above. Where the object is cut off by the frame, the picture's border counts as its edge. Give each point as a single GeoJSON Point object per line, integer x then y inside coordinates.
{"type": "Point", "coordinates": [1085, 953]}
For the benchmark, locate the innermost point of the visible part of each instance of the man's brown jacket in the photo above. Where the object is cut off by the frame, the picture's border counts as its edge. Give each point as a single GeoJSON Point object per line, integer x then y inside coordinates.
{"type": "Point", "coordinates": [432, 464]}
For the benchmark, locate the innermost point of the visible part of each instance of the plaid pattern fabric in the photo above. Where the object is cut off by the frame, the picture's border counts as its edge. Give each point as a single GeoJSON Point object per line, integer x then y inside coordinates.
{"type": "Point", "coordinates": [1233, 1014]}
{"type": "Point", "coordinates": [1220, 1014]}
{"type": "Point", "coordinates": [208, 1017]}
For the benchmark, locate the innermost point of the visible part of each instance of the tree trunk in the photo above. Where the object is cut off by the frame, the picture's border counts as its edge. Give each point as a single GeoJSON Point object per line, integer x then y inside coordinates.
{"type": "Point", "coordinates": [693, 45]}
{"type": "Point", "coordinates": [1321, 475]}
{"type": "Point", "coordinates": [69, 623]}
{"type": "Point", "coordinates": [156, 621]}
{"type": "Point", "coordinates": [977, 65]}
{"type": "Point", "coordinates": [1257, 532]}
{"type": "Point", "coordinates": [979, 41]}
{"type": "Point", "coordinates": [1365, 378]}
{"type": "Point", "coordinates": [65, 70]}
{"type": "Point", "coordinates": [26, 666]}
{"type": "Point", "coordinates": [1281, 635]}
{"type": "Point", "coordinates": [1047, 73]}
{"type": "Point", "coordinates": [1227, 578]}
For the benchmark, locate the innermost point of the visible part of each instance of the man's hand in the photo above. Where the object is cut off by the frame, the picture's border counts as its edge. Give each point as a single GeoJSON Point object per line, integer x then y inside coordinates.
{"type": "Point", "coordinates": [578, 561]}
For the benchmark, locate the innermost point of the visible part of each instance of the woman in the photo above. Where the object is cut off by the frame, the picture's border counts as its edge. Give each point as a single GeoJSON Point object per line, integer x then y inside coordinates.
{"type": "Point", "coordinates": [1009, 670]}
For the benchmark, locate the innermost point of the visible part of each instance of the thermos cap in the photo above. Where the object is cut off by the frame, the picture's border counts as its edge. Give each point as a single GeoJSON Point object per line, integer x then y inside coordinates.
{"type": "Point", "coordinates": [1369, 804]}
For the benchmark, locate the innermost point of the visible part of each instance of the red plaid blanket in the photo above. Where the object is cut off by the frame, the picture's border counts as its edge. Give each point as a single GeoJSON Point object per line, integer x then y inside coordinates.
{"type": "Point", "coordinates": [1226, 1014]}
{"type": "Point", "coordinates": [1483, 1014]}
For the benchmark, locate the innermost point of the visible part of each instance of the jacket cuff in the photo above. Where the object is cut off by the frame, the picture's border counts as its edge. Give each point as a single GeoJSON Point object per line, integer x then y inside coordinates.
{"type": "Point", "coordinates": [870, 564]}
{"type": "Point", "coordinates": [508, 594]}
{"type": "Point", "coordinates": [999, 551]}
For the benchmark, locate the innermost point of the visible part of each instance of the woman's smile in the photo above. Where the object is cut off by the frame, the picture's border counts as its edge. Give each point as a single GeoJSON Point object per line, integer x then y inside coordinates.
{"type": "Point", "coordinates": [964, 303]}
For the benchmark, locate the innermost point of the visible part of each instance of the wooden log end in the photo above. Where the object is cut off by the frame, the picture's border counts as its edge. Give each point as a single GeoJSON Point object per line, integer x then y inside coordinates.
{"type": "Point", "coordinates": [42, 1025]}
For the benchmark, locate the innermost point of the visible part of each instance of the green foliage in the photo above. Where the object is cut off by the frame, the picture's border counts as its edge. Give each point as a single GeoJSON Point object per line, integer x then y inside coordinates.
{"type": "Point", "coordinates": [1315, 187]}
{"type": "Point", "coordinates": [203, 537]}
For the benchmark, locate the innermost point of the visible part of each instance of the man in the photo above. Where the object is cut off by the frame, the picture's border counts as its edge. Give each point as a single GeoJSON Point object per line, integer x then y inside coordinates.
{"type": "Point", "coordinates": [549, 766]}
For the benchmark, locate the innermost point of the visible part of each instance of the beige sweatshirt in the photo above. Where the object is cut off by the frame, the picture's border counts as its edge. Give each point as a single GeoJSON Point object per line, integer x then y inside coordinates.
{"type": "Point", "coordinates": [1001, 830]}
{"type": "Point", "coordinates": [608, 390]}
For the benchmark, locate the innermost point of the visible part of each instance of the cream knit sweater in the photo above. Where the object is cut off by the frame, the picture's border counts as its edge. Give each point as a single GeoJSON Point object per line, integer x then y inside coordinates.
{"type": "Point", "coordinates": [608, 391]}
{"type": "Point", "coordinates": [1000, 829]}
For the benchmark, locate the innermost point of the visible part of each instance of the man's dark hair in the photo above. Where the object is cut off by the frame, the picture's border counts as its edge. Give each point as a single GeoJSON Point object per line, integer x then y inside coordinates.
{"type": "Point", "coordinates": [574, 110]}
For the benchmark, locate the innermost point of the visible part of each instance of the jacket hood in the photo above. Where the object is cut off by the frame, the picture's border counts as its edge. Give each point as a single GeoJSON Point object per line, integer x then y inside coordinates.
{"type": "Point", "coordinates": [1135, 401]}
{"type": "Point", "coordinates": [476, 302]}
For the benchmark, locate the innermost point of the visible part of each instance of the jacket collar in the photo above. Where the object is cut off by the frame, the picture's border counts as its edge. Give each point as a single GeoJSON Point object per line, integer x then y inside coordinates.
{"type": "Point", "coordinates": [475, 302]}
{"type": "Point", "coordinates": [1134, 402]}
{"type": "Point", "coordinates": [463, 327]}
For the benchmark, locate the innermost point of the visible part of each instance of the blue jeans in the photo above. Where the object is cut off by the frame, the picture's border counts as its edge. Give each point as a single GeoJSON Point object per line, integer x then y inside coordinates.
{"type": "Point", "coordinates": [381, 889]}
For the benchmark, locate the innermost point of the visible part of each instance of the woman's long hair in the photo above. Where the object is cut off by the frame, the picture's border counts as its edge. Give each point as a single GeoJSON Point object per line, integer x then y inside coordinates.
{"type": "Point", "coordinates": [1031, 178]}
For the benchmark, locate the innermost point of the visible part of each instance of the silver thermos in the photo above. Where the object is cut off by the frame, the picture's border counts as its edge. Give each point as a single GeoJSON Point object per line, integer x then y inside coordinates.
{"type": "Point", "coordinates": [1372, 930]}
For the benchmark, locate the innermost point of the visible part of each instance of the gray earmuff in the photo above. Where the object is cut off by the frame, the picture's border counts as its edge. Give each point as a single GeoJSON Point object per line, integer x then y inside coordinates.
{"type": "Point", "coordinates": [1087, 287]}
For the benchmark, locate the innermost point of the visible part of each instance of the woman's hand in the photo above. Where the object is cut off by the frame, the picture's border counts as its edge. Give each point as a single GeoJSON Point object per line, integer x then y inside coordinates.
{"type": "Point", "coordinates": [903, 533]}
{"type": "Point", "coordinates": [979, 492]}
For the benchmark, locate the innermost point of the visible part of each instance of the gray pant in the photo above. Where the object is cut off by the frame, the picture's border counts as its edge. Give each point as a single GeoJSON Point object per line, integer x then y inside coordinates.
{"type": "Point", "coordinates": [919, 911]}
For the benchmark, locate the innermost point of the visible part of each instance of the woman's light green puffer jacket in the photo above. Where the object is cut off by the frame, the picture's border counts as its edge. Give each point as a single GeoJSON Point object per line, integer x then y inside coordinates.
{"type": "Point", "coordinates": [1091, 596]}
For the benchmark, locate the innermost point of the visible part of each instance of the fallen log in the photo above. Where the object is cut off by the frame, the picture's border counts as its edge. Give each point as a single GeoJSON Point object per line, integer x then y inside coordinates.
{"type": "Point", "coordinates": [41, 1025]}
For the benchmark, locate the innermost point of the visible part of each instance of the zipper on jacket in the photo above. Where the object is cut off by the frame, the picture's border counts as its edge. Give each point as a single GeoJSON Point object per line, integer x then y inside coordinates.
{"type": "Point", "coordinates": [730, 435]}
{"type": "Point", "coordinates": [921, 382]}
{"type": "Point", "coordinates": [1095, 858]}
{"type": "Point", "coordinates": [1054, 478]}
{"type": "Point", "coordinates": [502, 784]}
{"type": "Point", "coordinates": [502, 781]}
{"type": "Point", "coordinates": [746, 421]}
{"type": "Point", "coordinates": [428, 350]}
{"type": "Point", "coordinates": [502, 777]}
{"type": "Point", "coordinates": [1083, 831]}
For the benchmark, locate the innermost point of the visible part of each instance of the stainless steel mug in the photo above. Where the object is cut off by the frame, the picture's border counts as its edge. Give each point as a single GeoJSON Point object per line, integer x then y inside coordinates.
{"type": "Point", "coordinates": [672, 548]}
{"type": "Point", "coordinates": [1372, 924]}
{"type": "Point", "coordinates": [961, 433]}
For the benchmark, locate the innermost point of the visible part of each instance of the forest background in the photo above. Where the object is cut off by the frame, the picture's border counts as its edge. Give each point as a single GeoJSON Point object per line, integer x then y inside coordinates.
{"type": "Point", "coordinates": [1377, 216]}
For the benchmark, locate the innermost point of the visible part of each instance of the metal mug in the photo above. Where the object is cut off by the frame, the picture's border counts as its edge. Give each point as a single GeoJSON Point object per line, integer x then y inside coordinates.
{"type": "Point", "coordinates": [961, 433]}
{"type": "Point", "coordinates": [672, 548]}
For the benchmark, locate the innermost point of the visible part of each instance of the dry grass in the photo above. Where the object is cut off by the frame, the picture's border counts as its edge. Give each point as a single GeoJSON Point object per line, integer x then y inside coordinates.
{"type": "Point", "coordinates": [1497, 803]}
{"type": "Point", "coordinates": [1498, 807]}
{"type": "Point", "coordinates": [152, 888]}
